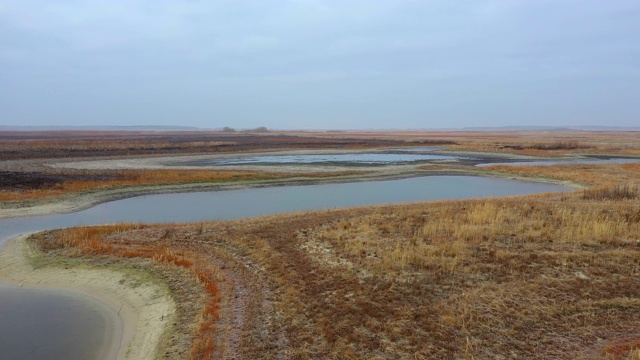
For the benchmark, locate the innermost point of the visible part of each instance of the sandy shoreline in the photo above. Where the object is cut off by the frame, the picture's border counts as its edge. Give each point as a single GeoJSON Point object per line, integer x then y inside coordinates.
{"type": "Point", "coordinates": [138, 314]}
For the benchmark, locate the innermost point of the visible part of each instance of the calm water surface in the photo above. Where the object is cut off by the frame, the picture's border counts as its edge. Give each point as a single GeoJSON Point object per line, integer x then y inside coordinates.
{"type": "Point", "coordinates": [45, 324]}
{"type": "Point", "coordinates": [234, 204]}
{"type": "Point", "coordinates": [35, 322]}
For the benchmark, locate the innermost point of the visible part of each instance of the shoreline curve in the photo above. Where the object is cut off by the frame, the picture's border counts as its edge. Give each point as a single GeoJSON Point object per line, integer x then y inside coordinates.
{"type": "Point", "coordinates": [138, 316]}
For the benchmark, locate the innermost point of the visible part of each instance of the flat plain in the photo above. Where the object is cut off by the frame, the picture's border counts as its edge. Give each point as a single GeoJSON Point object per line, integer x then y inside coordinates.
{"type": "Point", "coordinates": [549, 276]}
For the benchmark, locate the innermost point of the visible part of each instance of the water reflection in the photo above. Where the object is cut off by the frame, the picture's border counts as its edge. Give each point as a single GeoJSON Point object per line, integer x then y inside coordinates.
{"type": "Point", "coordinates": [234, 204]}
{"type": "Point", "coordinates": [50, 325]}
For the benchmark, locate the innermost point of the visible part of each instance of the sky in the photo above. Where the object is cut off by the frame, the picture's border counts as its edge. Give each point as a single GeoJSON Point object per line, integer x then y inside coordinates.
{"type": "Point", "coordinates": [311, 64]}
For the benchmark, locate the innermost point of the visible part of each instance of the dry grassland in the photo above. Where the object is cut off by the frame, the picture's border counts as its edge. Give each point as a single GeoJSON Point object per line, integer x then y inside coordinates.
{"type": "Point", "coordinates": [553, 276]}
{"type": "Point", "coordinates": [63, 144]}
{"type": "Point", "coordinates": [591, 174]}
{"type": "Point", "coordinates": [56, 144]}
{"type": "Point", "coordinates": [526, 142]}
{"type": "Point", "coordinates": [545, 276]}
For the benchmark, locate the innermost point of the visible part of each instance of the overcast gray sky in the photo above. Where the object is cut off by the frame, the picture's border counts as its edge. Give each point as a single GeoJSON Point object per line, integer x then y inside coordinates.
{"type": "Point", "coordinates": [320, 64]}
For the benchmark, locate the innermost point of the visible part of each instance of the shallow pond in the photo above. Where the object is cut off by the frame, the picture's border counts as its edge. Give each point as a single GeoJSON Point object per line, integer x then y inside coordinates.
{"type": "Point", "coordinates": [55, 327]}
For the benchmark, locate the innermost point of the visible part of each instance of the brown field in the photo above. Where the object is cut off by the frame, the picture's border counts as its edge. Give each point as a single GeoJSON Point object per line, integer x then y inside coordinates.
{"type": "Point", "coordinates": [553, 276]}
{"type": "Point", "coordinates": [61, 144]}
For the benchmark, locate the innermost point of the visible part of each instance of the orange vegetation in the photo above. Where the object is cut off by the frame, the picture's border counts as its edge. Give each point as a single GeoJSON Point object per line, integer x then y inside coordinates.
{"type": "Point", "coordinates": [90, 241]}
{"type": "Point", "coordinates": [120, 178]}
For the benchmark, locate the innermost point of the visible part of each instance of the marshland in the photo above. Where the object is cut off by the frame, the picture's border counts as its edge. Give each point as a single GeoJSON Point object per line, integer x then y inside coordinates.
{"type": "Point", "coordinates": [548, 275]}
{"type": "Point", "coordinates": [319, 179]}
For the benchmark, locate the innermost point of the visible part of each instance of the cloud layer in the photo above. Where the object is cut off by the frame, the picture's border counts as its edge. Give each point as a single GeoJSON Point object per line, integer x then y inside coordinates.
{"type": "Point", "coordinates": [320, 64]}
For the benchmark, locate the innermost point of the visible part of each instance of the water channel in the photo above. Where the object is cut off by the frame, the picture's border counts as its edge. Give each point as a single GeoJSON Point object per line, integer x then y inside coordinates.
{"type": "Point", "coordinates": [34, 310]}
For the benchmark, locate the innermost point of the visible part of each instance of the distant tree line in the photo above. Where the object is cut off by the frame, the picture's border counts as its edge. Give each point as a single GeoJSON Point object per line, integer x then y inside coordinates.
{"type": "Point", "coordinates": [261, 129]}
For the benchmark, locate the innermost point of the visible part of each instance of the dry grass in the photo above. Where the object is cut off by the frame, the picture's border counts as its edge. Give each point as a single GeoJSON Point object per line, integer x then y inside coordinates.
{"type": "Point", "coordinates": [543, 276]}
{"type": "Point", "coordinates": [620, 192]}
{"type": "Point", "coordinates": [590, 174]}
{"type": "Point", "coordinates": [551, 277]}
{"type": "Point", "coordinates": [21, 145]}
{"type": "Point", "coordinates": [548, 143]}
{"type": "Point", "coordinates": [57, 144]}
{"type": "Point", "coordinates": [558, 145]}
{"type": "Point", "coordinates": [91, 241]}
